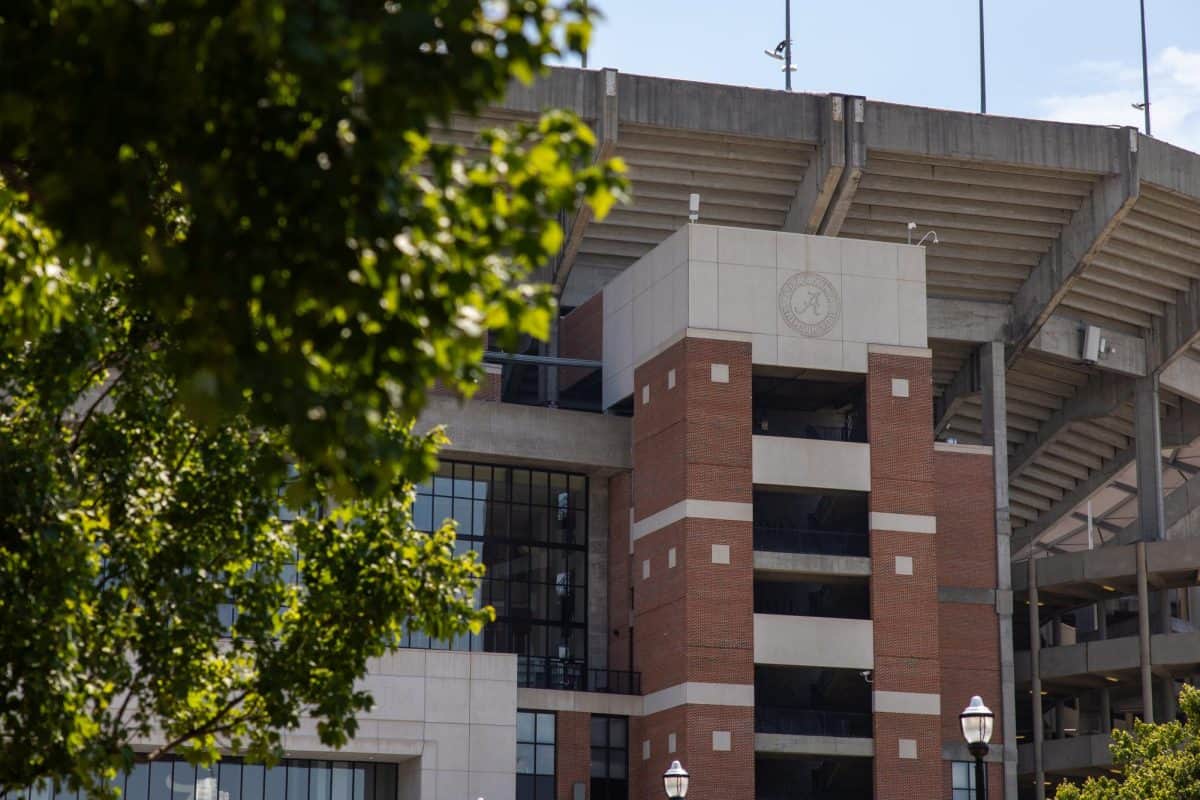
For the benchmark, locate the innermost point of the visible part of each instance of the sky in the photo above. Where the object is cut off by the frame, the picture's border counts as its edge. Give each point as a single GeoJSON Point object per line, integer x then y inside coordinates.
{"type": "Point", "coordinates": [1068, 60]}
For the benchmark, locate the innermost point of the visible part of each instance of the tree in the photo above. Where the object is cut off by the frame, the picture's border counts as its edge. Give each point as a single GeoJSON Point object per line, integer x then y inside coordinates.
{"type": "Point", "coordinates": [233, 259]}
{"type": "Point", "coordinates": [1157, 762]}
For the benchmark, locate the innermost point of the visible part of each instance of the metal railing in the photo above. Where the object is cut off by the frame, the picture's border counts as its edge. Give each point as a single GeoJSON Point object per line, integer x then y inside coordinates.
{"type": "Point", "coordinates": [810, 722]}
{"type": "Point", "coordinates": [799, 425]}
{"type": "Point", "coordinates": [541, 672]}
{"type": "Point", "coordinates": [807, 540]}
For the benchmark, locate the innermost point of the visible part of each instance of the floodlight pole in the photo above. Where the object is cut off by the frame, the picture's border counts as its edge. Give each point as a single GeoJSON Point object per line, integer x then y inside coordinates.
{"type": "Point", "coordinates": [982, 66]}
{"type": "Point", "coordinates": [787, 44]}
{"type": "Point", "coordinates": [1145, 70]}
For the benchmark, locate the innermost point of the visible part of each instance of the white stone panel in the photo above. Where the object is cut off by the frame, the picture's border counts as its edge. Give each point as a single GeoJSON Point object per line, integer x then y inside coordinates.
{"type": "Point", "coordinates": [493, 749]}
{"type": "Point", "coordinates": [493, 785]}
{"type": "Point", "coordinates": [869, 259]}
{"type": "Point", "coordinates": [788, 640]}
{"type": "Point", "coordinates": [869, 310]}
{"type": "Point", "coordinates": [810, 353]}
{"type": "Point", "coordinates": [491, 702]}
{"type": "Point", "coordinates": [824, 254]}
{"type": "Point", "coordinates": [702, 294]}
{"type": "Point", "coordinates": [452, 742]}
{"type": "Point", "coordinates": [914, 323]}
{"type": "Point", "coordinates": [811, 463]}
{"type": "Point", "coordinates": [702, 242]}
{"type": "Point", "coordinates": [746, 298]}
{"type": "Point", "coordinates": [746, 246]}
{"type": "Point", "coordinates": [911, 263]}
{"type": "Point", "coordinates": [791, 253]}
{"type": "Point", "coordinates": [447, 700]}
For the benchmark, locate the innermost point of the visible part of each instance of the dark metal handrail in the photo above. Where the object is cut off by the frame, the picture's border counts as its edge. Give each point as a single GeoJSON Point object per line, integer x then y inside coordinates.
{"type": "Point", "coordinates": [811, 722]}
{"type": "Point", "coordinates": [809, 540]}
{"type": "Point", "coordinates": [541, 672]}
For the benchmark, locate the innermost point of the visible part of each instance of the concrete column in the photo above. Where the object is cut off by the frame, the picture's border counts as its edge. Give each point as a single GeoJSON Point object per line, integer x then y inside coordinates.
{"type": "Point", "coordinates": [1148, 442]}
{"type": "Point", "coordinates": [995, 432]}
{"type": "Point", "coordinates": [1105, 710]}
{"type": "Point", "coordinates": [1144, 634]}
{"type": "Point", "coordinates": [1035, 671]}
{"type": "Point", "coordinates": [1170, 703]}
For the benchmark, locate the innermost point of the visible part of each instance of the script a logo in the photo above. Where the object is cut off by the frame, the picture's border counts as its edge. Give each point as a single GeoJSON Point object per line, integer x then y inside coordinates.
{"type": "Point", "coordinates": [809, 304]}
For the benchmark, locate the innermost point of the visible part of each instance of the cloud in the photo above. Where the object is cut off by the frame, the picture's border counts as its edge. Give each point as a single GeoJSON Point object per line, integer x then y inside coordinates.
{"type": "Point", "coordinates": [1174, 96]}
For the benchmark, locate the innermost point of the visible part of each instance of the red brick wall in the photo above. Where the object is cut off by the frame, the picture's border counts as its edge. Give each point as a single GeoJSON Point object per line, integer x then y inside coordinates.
{"type": "Point", "coordinates": [904, 608]}
{"type": "Point", "coordinates": [718, 775]}
{"type": "Point", "coordinates": [694, 621]}
{"type": "Point", "coordinates": [969, 633]}
{"type": "Point", "coordinates": [572, 752]}
{"type": "Point", "coordinates": [581, 335]}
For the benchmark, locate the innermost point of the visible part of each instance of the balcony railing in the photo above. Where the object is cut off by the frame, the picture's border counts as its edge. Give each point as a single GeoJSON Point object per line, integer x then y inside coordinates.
{"type": "Point", "coordinates": [798, 425]}
{"type": "Point", "coordinates": [540, 672]}
{"type": "Point", "coordinates": [807, 540]}
{"type": "Point", "coordinates": [809, 722]}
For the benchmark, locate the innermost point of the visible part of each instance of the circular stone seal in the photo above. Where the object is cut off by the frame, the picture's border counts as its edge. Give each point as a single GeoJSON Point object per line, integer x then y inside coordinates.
{"type": "Point", "coordinates": [809, 304]}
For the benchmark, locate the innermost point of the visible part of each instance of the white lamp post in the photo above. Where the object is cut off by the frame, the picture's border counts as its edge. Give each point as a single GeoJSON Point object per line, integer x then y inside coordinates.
{"type": "Point", "coordinates": [675, 781]}
{"type": "Point", "coordinates": [977, 721]}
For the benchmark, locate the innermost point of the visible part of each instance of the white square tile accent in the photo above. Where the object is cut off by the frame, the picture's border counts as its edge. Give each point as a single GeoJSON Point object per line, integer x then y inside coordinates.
{"type": "Point", "coordinates": [646, 569]}
{"type": "Point", "coordinates": [904, 565]}
{"type": "Point", "coordinates": [670, 743]}
{"type": "Point", "coordinates": [646, 395]}
{"type": "Point", "coordinates": [670, 379]}
{"type": "Point", "coordinates": [720, 554]}
{"type": "Point", "coordinates": [645, 750]}
{"type": "Point", "coordinates": [722, 740]}
{"type": "Point", "coordinates": [671, 558]}
{"type": "Point", "coordinates": [899, 387]}
{"type": "Point", "coordinates": [720, 373]}
{"type": "Point", "coordinates": [908, 748]}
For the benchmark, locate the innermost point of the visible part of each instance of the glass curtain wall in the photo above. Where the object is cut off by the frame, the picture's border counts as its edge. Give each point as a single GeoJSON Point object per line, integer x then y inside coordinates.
{"type": "Point", "coordinates": [231, 779]}
{"type": "Point", "coordinates": [529, 528]}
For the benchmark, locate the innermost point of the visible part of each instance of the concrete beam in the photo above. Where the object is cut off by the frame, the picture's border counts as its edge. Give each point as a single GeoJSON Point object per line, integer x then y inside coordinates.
{"type": "Point", "coordinates": [1081, 239]}
{"type": "Point", "coordinates": [606, 146]}
{"type": "Point", "coordinates": [1169, 167]}
{"type": "Point", "coordinates": [1177, 506]}
{"type": "Point", "coordinates": [1102, 395]}
{"type": "Point", "coordinates": [856, 162]}
{"type": "Point", "coordinates": [714, 108]}
{"type": "Point", "coordinates": [598, 444]}
{"type": "Point", "coordinates": [1001, 140]}
{"type": "Point", "coordinates": [992, 374]}
{"type": "Point", "coordinates": [1062, 337]}
{"type": "Point", "coordinates": [1182, 376]}
{"type": "Point", "coordinates": [1148, 446]}
{"type": "Point", "coordinates": [1178, 329]}
{"type": "Point", "coordinates": [1180, 427]}
{"type": "Point", "coordinates": [816, 189]}
{"type": "Point", "coordinates": [964, 386]}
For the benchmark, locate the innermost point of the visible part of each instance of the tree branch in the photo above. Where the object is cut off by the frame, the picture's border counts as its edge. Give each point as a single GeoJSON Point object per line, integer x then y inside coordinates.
{"type": "Point", "coordinates": [214, 725]}
{"type": "Point", "coordinates": [75, 438]}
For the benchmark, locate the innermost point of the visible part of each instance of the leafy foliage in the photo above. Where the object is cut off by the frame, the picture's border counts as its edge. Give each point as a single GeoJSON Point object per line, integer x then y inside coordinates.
{"type": "Point", "coordinates": [233, 258]}
{"type": "Point", "coordinates": [1157, 762]}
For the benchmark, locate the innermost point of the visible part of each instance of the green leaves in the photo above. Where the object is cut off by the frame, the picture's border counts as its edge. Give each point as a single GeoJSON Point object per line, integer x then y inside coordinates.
{"type": "Point", "coordinates": [230, 243]}
{"type": "Point", "coordinates": [1157, 762]}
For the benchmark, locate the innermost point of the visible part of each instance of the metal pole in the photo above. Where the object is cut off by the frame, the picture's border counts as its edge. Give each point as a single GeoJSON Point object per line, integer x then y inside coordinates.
{"type": "Point", "coordinates": [982, 66]}
{"type": "Point", "coordinates": [1035, 672]}
{"type": "Point", "coordinates": [981, 786]}
{"type": "Point", "coordinates": [1144, 635]}
{"type": "Point", "coordinates": [1145, 71]}
{"type": "Point", "coordinates": [787, 44]}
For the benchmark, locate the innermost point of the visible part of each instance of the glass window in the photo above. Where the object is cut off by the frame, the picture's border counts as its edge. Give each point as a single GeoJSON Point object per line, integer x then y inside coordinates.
{"type": "Point", "coordinates": [253, 781]}
{"type": "Point", "coordinates": [535, 756]}
{"type": "Point", "coordinates": [530, 528]}
{"type": "Point", "coordinates": [229, 781]}
{"type": "Point", "coordinates": [610, 758]}
{"type": "Point", "coordinates": [962, 780]}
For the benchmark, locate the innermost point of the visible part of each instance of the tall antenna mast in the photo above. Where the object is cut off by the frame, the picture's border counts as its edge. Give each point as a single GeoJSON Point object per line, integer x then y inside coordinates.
{"type": "Point", "coordinates": [982, 66]}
